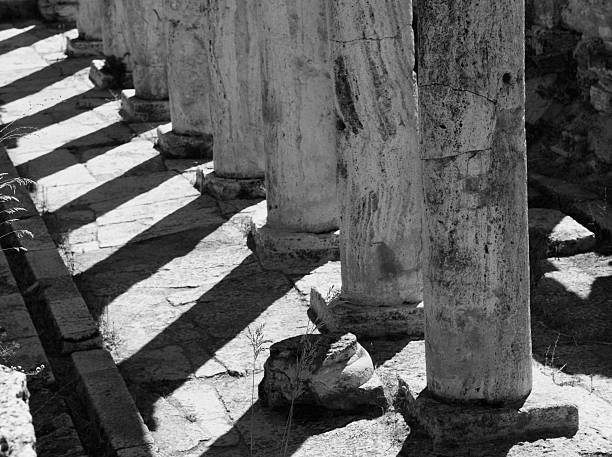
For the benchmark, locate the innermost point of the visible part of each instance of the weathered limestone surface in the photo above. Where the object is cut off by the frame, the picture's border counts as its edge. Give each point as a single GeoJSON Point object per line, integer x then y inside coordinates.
{"type": "Point", "coordinates": [189, 84]}
{"type": "Point", "coordinates": [89, 19]}
{"type": "Point", "coordinates": [298, 111]}
{"type": "Point", "coordinates": [564, 235]}
{"type": "Point", "coordinates": [335, 372]}
{"type": "Point", "coordinates": [476, 274]}
{"type": "Point", "coordinates": [114, 31]}
{"type": "Point", "coordinates": [147, 45]}
{"type": "Point", "coordinates": [234, 34]}
{"type": "Point", "coordinates": [16, 430]}
{"type": "Point", "coordinates": [591, 17]}
{"type": "Point", "coordinates": [381, 195]}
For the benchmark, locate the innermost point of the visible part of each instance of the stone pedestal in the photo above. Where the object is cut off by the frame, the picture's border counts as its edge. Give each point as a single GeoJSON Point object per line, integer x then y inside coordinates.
{"type": "Point", "coordinates": [136, 109]}
{"type": "Point", "coordinates": [148, 52]}
{"type": "Point", "coordinates": [234, 31]}
{"type": "Point", "coordinates": [300, 125]}
{"type": "Point", "coordinates": [104, 75]}
{"type": "Point", "coordinates": [465, 429]}
{"type": "Point", "coordinates": [172, 144]}
{"type": "Point", "coordinates": [89, 25]}
{"type": "Point", "coordinates": [380, 180]}
{"type": "Point", "coordinates": [287, 250]}
{"type": "Point", "coordinates": [189, 83]}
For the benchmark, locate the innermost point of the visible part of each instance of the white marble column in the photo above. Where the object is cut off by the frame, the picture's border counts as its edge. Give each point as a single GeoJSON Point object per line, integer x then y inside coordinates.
{"type": "Point", "coordinates": [234, 31]}
{"type": "Point", "coordinates": [114, 71]}
{"type": "Point", "coordinates": [189, 85]}
{"type": "Point", "coordinates": [380, 177]}
{"type": "Point", "coordinates": [300, 133]}
{"type": "Point", "coordinates": [89, 25]}
{"type": "Point", "coordinates": [148, 52]}
{"type": "Point", "coordinates": [476, 270]}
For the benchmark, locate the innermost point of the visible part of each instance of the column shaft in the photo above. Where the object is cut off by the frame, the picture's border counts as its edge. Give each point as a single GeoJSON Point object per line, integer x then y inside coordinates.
{"type": "Point", "coordinates": [298, 111]}
{"type": "Point", "coordinates": [147, 43]}
{"type": "Point", "coordinates": [189, 83]}
{"type": "Point", "coordinates": [380, 179]}
{"type": "Point", "coordinates": [90, 18]}
{"type": "Point", "coordinates": [114, 32]}
{"type": "Point", "coordinates": [476, 273]}
{"type": "Point", "coordinates": [234, 34]}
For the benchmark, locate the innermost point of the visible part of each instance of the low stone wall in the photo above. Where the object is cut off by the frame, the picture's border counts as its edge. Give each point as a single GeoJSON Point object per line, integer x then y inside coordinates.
{"type": "Point", "coordinates": [17, 437]}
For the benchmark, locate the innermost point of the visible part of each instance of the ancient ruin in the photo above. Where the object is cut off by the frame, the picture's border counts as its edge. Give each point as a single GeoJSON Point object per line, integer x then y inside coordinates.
{"type": "Point", "coordinates": [316, 228]}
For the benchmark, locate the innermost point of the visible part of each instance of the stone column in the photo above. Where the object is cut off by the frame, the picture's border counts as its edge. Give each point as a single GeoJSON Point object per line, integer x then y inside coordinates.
{"type": "Point", "coordinates": [476, 270]}
{"type": "Point", "coordinates": [148, 101]}
{"type": "Point", "coordinates": [300, 135]}
{"type": "Point", "coordinates": [380, 177]}
{"type": "Point", "coordinates": [189, 85]}
{"type": "Point", "coordinates": [115, 70]}
{"type": "Point", "coordinates": [89, 25]}
{"type": "Point", "coordinates": [234, 34]}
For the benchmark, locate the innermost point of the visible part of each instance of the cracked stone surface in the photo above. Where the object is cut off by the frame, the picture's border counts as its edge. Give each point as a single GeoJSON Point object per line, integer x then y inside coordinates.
{"type": "Point", "coordinates": [168, 275]}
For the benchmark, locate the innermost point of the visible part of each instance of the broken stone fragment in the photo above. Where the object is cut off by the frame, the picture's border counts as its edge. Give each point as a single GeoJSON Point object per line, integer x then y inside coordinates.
{"type": "Point", "coordinates": [332, 371]}
{"type": "Point", "coordinates": [16, 430]}
{"type": "Point", "coordinates": [564, 236]}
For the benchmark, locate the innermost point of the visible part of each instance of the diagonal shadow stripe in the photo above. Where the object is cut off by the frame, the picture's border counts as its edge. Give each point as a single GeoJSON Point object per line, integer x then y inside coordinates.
{"type": "Point", "coordinates": [27, 38]}
{"type": "Point", "coordinates": [38, 80]}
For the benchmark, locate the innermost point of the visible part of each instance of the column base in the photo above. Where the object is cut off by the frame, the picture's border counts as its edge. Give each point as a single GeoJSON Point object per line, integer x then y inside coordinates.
{"type": "Point", "coordinates": [103, 79]}
{"type": "Point", "coordinates": [291, 252]}
{"type": "Point", "coordinates": [233, 188]}
{"type": "Point", "coordinates": [135, 109]}
{"type": "Point", "coordinates": [82, 48]}
{"type": "Point", "coordinates": [458, 427]}
{"type": "Point", "coordinates": [179, 146]}
{"type": "Point", "coordinates": [336, 314]}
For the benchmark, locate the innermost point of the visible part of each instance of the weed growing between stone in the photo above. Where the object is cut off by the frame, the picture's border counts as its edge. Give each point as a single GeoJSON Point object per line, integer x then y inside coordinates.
{"type": "Point", "coordinates": [257, 340]}
{"type": "Point", "coordinates": [305, 358]}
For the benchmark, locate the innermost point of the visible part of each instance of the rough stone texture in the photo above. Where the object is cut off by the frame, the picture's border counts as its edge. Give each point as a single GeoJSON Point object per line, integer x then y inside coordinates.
{"type": "Point", "coordinates": [89, 19]}
{"type": "Point", "coordinates": [564, 235]}
{"type": "Point", "coordinates": [286, 250]}
{"type": "Point", "coordinates": [234, 32]}
{"type": "Point", "coordinates": [173, 144]}
{"type": "Point", "coordinates": [601, 98]}
{"type": "Point", "coordinates": [148, 48]}
{"type": "Point", "coordinates": [82, 48]}
{"type": "Point", "coordinates": [338, 314]}
{"type": "Point", "coordinates": [17, 437]}
{"type": "Point", "coordinates": [137, 109]}
{"type": "Point", "coordinates": [546, 413]}
{"type": "Point", "coordinates": [334, 372]}
{"type": "Point", "coordinates": [189, 77]}
{"type": "Point", "coordinates": [233, 188]}
{"type": "Point", "coordinates": [298, 111]}
{"type": "Point", "coordinates": [591, 17]}
{"type": "Point", "coordinates": [600, 138]}
{"type": "Point", "coordinates": [59, 10]}
{"type": "Point", "coordinates": [476, 284]}
{"type": "Point", "coordinates": [114, 32]}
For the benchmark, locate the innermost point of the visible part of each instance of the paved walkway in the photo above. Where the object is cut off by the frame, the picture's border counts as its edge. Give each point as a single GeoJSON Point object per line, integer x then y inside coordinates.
{"type": "Point", "coordinates": [169, 277]}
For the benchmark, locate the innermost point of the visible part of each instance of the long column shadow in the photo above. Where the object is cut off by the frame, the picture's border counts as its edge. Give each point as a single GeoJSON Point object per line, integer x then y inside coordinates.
{"type": "Point", "coordinates": [27, 38]}
{"type": "Point", "coordinates": [62, 111]}
{"type": "Point", "coordinates": [39, 79]}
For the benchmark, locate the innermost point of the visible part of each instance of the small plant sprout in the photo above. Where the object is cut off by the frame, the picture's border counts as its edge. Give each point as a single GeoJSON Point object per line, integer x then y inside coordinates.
{"type": "Point", "coordinates": [258, 342]}
{"type": "Point", "coordinates": [8, 188]}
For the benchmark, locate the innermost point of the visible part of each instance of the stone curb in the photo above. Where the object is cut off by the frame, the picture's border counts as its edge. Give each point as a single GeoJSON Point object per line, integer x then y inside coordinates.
{"type": "Point", "coordinates": [582, 205]}
{"type": "Point", "coordinates": [42, 275]}
{"type": "Point", "coordinates": [51, 291]}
